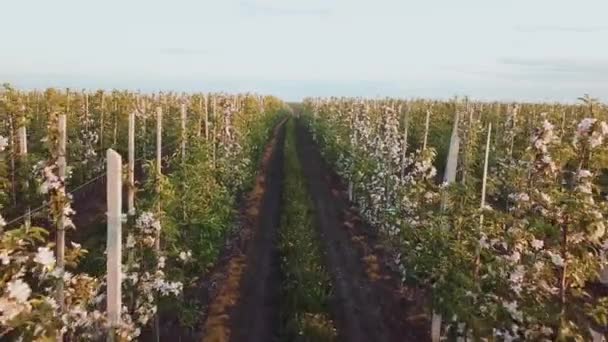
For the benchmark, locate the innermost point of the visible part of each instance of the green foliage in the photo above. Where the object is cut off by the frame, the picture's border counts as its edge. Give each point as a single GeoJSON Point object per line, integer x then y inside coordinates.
{"type": "Point", "coordinates": [306, 286]}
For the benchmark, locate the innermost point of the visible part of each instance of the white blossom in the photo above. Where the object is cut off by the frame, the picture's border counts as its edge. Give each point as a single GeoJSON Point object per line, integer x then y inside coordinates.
{"type": "Point", "coordinates": [514, 257]}
{"type": "Point", "coordinates": [585, 125]}
{"type": "Point", "coordinates": [19, 290]}
{"type": "Point", "coordinates": [130, 241]}
{"type": "Point", "coordinates": [9, 309]}
{"type": "Point", "coordinates": [45, 257]}
{"type": "Point", "coordinates": [537, 244]}
{"type": "Point", "coordinates": [3, 143]}
{"type": "Point", "coordinates": [516, 279]}
{"type": "Point", "coordinates": [584, 173]}
{"type": "Point", "coordinates": [4, 257]}
{"type": "Point", "coordinates": [512, 309]}
{"type": "Point", "coordinates": [519, 197]}
{"type": "Point", "coordinates": [556, 259]}
{"type": "Point", "coordinates": [185, 256]}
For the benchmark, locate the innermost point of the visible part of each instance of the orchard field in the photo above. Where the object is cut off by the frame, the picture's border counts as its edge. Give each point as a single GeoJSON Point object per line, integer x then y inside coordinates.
{"type": "Point", "coordinates": [219, 217]}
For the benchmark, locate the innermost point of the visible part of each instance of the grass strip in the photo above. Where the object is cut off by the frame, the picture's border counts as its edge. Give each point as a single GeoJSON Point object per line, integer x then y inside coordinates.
{"type": "Point", "coordinates": [306, 284]}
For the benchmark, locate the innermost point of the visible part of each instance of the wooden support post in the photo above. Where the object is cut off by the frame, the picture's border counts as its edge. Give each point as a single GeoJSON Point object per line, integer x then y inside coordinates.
{"type": "Point", "coordinates": [22, 138]}
{"type": "Point", "coordinates": [406, 124]}
{"type": "Point", "coordinates": [114, 243]}
{"type": "Point", "coordinates": [426, 128]}
{"type": "Point", "coordinates": [159, 165]}
{"type": "Point", "coordinates": [199, 128]}
{"type": "Point", "coordinates": [483, 199]}
{"type": "Point", "coordinates": [436, 327]}
{"type": "Point", "coordinates": [452, 161]}
{"type": "Point", "coordinates": [144, 128]}
{"type": "Point", "coordinates": [101, 120]}
{"type": "Point", "coordinates": [214, 133]}
{"type": "Point", "coordinates": [514, 126]}
{"type": "Point", "coordinates": [184, 113]}
{"type": "Point", "coordinates": [159, 142]}
{"type": "Point", "coordinates": [115, 134]}
{"type": "Point", "coordinates": [60, 239]}
{"type": "Point", "coordinates": [86, 108]}
{"type": "Point", "coordinates": [206, 118]}
{"type": "Point", "coordinates": [596, 336]}
{"type": "Point", "coordinates": [467, 146]}
{"type": "Point", "coordinates": [11, 139]}
{"type": "Point", "coordinates": [485, 171]}
{"type": "Point", "coordinates": [351, 184]}
{"type": "Point", "coordinates": [131, 167]}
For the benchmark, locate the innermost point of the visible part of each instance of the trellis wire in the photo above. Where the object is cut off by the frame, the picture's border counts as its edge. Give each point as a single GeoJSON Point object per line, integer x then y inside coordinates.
{"type": "Point", "coordinates": [77, 188]}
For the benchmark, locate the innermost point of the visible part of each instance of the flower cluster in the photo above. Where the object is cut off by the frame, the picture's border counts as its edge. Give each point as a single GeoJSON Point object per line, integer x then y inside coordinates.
{"type": "Point", "coordinates": [515, 272]}
{"type": "Point", "coordinates": [143, 272]}
{"type": "Point", "coordinates": [3, 143]}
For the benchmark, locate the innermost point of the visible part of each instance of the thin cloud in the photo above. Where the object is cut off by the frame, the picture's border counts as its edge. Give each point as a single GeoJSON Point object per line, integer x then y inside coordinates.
{"type": "Point", "coordinates": [176, 51]}
{"type": "Point", "coordinates": [258, 8]}
{"type": "Point", "coordinates": [542, 71]}
{"type": "Point", "coordinates": [560, 29]}
{"type": "Point", "coordinates": [567, 66]}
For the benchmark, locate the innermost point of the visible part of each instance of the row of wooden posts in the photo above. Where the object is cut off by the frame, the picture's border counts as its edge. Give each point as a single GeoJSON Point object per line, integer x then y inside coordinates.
{"type": "Point", "coordinates": [114, 207]}
{"type": "Point", "coordinates": [114, 200]}
{"type": "Point", "coordinates": [114, 214]}
{"type": "Point", "coordinates": [449, 177]}
{"type": "Point", "coordinates": [114, 185]}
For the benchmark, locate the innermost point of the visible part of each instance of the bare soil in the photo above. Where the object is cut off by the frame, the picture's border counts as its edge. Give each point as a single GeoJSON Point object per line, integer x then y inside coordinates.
{"type": "Point", "coordinates": [369, 303]}
{"type": "Point", "coordinates": [243, 291]}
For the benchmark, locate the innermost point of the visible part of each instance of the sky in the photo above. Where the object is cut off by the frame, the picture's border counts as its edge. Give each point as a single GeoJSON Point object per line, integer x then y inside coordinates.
{"type": "Point", "coordinates": [529, 50]}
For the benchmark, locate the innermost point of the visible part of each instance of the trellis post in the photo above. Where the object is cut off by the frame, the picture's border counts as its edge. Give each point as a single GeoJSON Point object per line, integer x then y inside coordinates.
{"type": "Point", "coordinates": [60, 239]}
{"type": "Point", "coordinates": [114, 243]}
{"type": "Point", "coordinates": [426, 129]}
{"type": "Point", "coordinates": [452, 162]}
{"type": "Point", "coordinates": [131, 167]}
{"type": "Point", "coordinates": [22, 138]}
{"type": "Point", "coordinates": [159, 142]}
{"type": "Point", "coordinates": [184, 113]}
{"type": "Point", "coordinates": [206, 118]}
{"type": "Point", "coordinates": [406, 123]}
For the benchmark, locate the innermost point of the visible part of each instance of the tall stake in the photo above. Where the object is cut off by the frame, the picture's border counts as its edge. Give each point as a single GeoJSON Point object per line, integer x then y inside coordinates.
{"type": "Point", "coordinates": [483, 198]}
{"type": "Point", "coordinates": [60, 240]}
{"type": "Point", "coordinates": [351, 184]}
{"type": "Point", "coordinates": [206, 118]}
{"type": "Point", "coordinates": [131, 168]}
{"type": "Point", "coordinates": [467, 145]}
{"type": "Point", "coordinates": [485, 171]}
{"type": "Point", "coordinates": [101, 119]}
{"type": "Point", "coordinates": [11, 138]}
{"type": "Point", "coordinates": [114, 243]}
{"type": "Point", "coordinates": [159, 165]}
{"type": "Point", "coordinates": [426, 128]}
{"type": "Point", "coordinates": [22, 138]}
{"type": "Point", "coordinates": [436, 327]}
{"type": "Point", "coordinates": [452, 162]}
{"type": "Point", "coordinates": [159, 142]}
{"type": "Point", "coordinates": [406, 124]}
{"type": "Point", "coordinates": [199, 129]}
{"type": "Point", "coordinates": [215, 123]}
{"type": "Point", "coordinates": [184, 113]}
{"type": "Point", "coordinates": [115, 135]}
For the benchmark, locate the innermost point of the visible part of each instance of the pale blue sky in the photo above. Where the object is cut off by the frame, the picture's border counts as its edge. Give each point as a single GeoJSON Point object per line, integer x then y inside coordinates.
{"type": "Point", "coordinates": [487, 49]}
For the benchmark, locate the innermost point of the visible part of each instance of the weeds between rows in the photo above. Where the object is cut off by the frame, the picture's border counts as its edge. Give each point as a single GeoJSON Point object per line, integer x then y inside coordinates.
{"type": "Point", "coordinates": [306, 284]}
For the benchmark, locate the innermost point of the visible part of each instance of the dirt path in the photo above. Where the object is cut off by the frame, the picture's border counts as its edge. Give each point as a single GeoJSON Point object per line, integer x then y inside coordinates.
{"type": "Point", "coordinates": [369, 303]}
{"type": "Point", "coordinates": [245, 307]}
